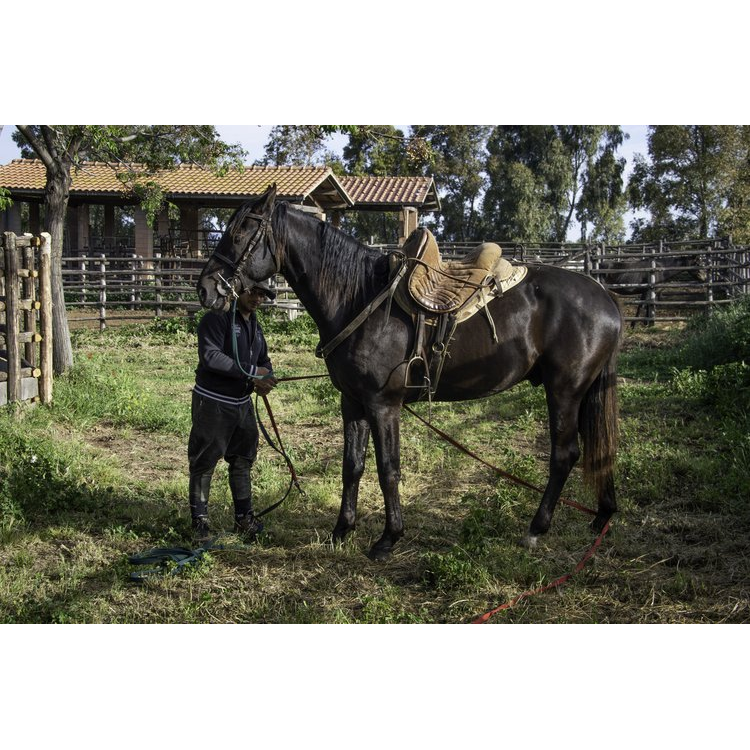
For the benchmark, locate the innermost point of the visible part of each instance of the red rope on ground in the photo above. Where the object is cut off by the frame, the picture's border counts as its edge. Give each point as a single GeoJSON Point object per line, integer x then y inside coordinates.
{"type": "Point", "coordinates": [559, 581]}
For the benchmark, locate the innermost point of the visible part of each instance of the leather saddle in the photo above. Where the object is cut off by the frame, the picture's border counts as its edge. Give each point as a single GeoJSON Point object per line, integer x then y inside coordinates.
{"type": "Point", "coordinates": [458, 287]}
{"type": "Point", "coordinates": [441, 294]}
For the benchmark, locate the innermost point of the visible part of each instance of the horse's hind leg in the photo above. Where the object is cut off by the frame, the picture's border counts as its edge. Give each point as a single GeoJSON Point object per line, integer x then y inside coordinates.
{"type": "Point", "coordinates": [564, 453]}
{"type": "Point", "coordinates": [607, 506]}
{"type": "Point", "coordinates": [356, 435]}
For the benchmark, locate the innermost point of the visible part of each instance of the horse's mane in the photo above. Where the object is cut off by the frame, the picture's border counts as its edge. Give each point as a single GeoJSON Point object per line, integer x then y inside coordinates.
{"type": "Point", "coordinates": [350, 271]}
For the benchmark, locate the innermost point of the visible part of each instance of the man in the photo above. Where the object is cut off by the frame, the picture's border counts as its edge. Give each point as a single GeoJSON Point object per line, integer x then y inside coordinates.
{"type": "Point", "coordinates": [222, 412]}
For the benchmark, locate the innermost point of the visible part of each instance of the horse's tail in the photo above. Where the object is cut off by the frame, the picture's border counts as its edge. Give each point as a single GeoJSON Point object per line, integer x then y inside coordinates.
{"type": "Point", "coordinates": [598, 426]}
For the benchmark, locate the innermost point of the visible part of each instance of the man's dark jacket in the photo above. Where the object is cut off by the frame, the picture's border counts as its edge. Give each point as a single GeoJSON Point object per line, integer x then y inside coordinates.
{"type": "Point", "coordinates": [217, 370]}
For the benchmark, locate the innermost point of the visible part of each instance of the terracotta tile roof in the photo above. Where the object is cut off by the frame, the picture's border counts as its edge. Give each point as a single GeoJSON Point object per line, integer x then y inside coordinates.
{"type": "Point", "coordinates": [293, 183]}
{"type": "Point", "coordinates": [387, 191]}
{"type": "Point", "coordinates": [317, 184]}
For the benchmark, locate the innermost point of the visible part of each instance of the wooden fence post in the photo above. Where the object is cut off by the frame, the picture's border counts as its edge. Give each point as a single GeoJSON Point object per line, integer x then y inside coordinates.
{"type": "Point", "coordinates": [157, 284]}
{"type": "Point", "coordinates": [45, 318]}
{"type": "Point", "coordinates": [103, 292]}
{"type": "Point", "coordinates": [29, 315]}
{"type": "Point", "coordinates": [132, 280]}
{"type": "Point", "coordinates": [12, 318]}
{"type": "Point", "coordinates": [651, 294]}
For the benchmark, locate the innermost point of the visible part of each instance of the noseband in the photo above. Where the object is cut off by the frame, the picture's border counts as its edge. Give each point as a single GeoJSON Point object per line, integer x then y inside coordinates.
{"type": "Point", "coordinates": [263, 231]}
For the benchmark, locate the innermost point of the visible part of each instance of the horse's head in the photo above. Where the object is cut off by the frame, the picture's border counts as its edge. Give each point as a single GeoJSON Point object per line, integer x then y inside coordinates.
{"type": "Point", "coordinates": [247, 251]}
{"type": "Point", "coordinates": [695, 265]}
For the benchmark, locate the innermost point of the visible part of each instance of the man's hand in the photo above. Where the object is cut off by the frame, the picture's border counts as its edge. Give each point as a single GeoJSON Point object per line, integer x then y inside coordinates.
{"type": "Point", "coordinates": [265, 386]}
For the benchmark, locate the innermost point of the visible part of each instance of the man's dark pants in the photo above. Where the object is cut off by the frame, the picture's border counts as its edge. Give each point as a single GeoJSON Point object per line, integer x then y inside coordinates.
{"type": "Point", "coordinates": [221, 431]}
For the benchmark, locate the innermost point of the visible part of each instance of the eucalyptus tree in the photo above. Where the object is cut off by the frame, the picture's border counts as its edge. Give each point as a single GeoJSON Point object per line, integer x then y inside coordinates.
{"type": "Point", "coordinates": [695, 183]}
{"type": "Point", "coordinates": [543, 177]}
{"type": "Point", "coordinates": [455, 155]}
{"type": "Point", "coordinates": [63, 148]}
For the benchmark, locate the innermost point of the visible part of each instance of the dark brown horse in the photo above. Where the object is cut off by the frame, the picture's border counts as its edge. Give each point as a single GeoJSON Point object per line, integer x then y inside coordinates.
{"type": "Point", "coordinates": [637, 277]}
{"type": "Point", "coordinates": [557, 328]}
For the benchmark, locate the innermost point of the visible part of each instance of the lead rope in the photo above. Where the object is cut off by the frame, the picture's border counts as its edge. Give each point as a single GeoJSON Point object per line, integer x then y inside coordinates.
{"type": "Point", "coordinates": [510, 477]}
{"type": "Point", "coordinates": [294, 481]}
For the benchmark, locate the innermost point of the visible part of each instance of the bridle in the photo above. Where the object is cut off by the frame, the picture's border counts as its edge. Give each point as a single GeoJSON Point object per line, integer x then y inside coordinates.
{"type": "Point", "coordinates": [263, 232]}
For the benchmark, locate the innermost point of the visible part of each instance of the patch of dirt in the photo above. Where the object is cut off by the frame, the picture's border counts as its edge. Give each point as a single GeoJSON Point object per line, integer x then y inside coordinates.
{"type": "Point", "coordinates": [145, 456]}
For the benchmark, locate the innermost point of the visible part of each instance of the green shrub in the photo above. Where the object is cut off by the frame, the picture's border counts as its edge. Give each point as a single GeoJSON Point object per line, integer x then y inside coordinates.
{"type": "Point", "coordinates": [725, 386]}
{"type": "Point", "coordinates": [718, 339]}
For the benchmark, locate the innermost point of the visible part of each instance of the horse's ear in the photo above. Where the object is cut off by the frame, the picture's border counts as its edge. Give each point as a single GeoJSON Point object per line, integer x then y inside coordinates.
{"type": "Point", "coordinates": [267, 200]}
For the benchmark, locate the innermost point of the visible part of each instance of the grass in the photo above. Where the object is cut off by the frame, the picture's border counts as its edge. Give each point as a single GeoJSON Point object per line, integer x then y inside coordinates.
{"type": "Point", "coordinates": [102, 475]}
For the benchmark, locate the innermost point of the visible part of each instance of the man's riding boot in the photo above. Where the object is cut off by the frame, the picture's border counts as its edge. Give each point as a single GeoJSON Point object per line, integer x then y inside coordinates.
{"type": "Point", "coordinates": [200, 486]}
{"type": "Point", "coordinates": [245, 522]}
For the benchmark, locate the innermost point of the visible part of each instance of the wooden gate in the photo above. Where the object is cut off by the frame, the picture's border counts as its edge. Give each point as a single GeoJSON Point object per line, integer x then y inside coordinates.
{"type": "Point", "coordinates": [25, 319]}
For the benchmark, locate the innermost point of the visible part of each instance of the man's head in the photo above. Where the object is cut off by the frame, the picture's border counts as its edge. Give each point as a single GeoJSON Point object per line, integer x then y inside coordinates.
{"type": "Point", "coordinates": [253, 295]}
{"type": "Point", "coordinates": [259, 287]}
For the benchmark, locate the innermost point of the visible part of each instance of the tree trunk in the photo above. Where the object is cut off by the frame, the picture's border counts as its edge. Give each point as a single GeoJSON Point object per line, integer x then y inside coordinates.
{"type": "Point", "coordinates": [56, 207]}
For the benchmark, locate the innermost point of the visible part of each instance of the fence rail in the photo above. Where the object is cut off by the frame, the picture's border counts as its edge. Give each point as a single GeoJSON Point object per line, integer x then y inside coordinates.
{"type": "Point", "coordinates": [135, 288]}
{"type": "Point", "coordinates": [126, 288]}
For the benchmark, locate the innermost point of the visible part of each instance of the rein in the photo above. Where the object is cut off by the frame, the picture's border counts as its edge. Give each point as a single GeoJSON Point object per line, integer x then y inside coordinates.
{"type": "Point", "coordinates": [322, 351]}
{"type": "Point", "coordinates": [294, 481]}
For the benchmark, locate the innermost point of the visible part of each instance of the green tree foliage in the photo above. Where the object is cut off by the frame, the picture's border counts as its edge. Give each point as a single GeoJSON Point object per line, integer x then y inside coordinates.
{"type": "Point", "coordinates": [300, 146]}
{"type": "Point", "coordinates": [696, 183]}
{"type": "Point", "coordinates": [379, 150]}
{"type": "Point", "coordinates": [542, 177]}
{"type": "Point", "coordinates": [455, 155]}
{"type": "Point", "coordinates": [63, 148]}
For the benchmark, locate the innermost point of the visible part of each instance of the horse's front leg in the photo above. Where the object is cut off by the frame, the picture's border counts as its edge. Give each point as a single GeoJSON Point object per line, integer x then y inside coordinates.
{"type": "Point", "coordinates": [356, 435]}
{"type": "Point", "coordinates": [385, 421]}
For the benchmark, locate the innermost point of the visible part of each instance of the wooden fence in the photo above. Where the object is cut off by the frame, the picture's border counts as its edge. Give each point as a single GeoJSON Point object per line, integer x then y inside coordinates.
{"type": "Point", "coordinates": [26, 319]}
{"type": "Point", "coordinates": [724, 271]}
{"type": "Point", "coordinates": [100, 289]}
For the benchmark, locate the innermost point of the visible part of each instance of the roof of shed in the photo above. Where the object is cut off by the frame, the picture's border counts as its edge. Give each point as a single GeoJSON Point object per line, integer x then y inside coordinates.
{"type": "Point", "coordinates": [313, 185]}
{"type": "Point", "coordinates": [378, 193]}
{"type": "Point", "coordinates": [309, 185]}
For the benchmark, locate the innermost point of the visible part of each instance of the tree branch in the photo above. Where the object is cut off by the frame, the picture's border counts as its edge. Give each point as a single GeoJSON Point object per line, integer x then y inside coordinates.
{"type": "Point", "coordinates": [39, 146]}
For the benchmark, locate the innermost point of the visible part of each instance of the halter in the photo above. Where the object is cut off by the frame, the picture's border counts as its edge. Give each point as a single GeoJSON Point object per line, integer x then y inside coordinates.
{"type": "Point", "coordinates": [263, 231]}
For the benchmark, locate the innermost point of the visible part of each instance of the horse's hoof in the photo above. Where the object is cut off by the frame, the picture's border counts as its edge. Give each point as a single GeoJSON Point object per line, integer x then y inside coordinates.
{"type": "Point", "coordinates": [379, 554]}
{"type": "Point", "coordinates": [339, 535]}
{"type": "Point", "coordinates": [530, 541]}
{"type": "Point", "coordinates": [598, 524]}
